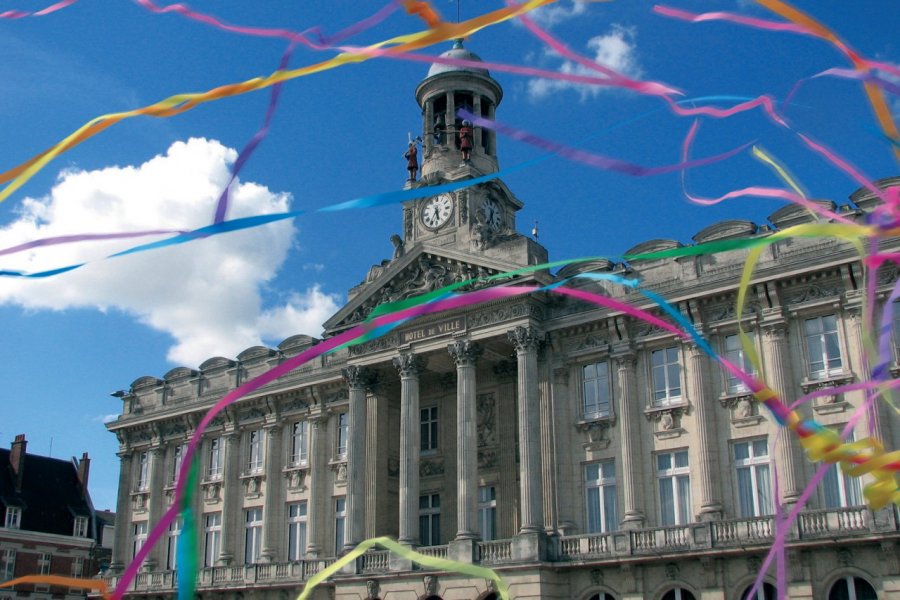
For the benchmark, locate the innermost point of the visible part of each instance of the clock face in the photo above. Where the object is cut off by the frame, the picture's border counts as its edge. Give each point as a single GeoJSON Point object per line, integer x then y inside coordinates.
{"type": "Point", "coordinates": [436, 211]}
{"type": "Point", "coordinates": [493, 216]}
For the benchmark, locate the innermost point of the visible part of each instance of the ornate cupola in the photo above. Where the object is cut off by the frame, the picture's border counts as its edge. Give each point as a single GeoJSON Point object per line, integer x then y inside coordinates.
{"type": "Point", "coordinates": [445, 90]}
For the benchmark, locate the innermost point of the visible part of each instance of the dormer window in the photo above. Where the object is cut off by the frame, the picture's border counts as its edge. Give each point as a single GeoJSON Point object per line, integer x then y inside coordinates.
{"type": "Point", "coordinates": [81, 527]}
{"type": "Point", "coordinates": [13, 517]}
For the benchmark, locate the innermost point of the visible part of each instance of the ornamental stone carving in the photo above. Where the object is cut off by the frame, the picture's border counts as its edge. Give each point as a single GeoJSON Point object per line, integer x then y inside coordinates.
{"type": "Point", "coordinates": [524, 339]}
{"type": "Point", "coordinates": [373, 589]}
{"type": "Point", "coordinates": [487, 426]}
{"type": "Point", "coordinates": [431, 585]}
{"type": "Point", "coordinates": [465, 352]}
{"type": "Point", "coordinates": [409, 364]}
{"type": "Point", "coordinates": [356, 376]}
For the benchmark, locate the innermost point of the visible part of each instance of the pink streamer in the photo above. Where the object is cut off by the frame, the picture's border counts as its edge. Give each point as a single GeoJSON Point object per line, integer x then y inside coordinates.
{"type": "Point", "coordinates": [732, 17]}
{"type": "Point", "coordinates": [18, 14]}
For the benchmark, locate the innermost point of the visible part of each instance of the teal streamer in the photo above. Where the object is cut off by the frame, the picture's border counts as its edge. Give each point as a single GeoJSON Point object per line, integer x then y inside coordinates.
{"type": "Point", "coordinates": [187, 541]}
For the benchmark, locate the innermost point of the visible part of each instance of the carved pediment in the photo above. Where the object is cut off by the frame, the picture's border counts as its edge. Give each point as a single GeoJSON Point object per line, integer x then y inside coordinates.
{"type": "Point", "coordinates": [418, 272]}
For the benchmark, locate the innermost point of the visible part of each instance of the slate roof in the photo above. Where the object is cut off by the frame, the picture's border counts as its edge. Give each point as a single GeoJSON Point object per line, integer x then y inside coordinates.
{"type": "Point", "coordinates": [51, 495]}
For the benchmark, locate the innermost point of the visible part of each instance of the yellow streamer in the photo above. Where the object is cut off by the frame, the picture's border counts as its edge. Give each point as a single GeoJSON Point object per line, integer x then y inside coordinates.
{"type": "Point", "coordinates": [72, 582]}
{"type": "Point", "coordinates": [441, 564]}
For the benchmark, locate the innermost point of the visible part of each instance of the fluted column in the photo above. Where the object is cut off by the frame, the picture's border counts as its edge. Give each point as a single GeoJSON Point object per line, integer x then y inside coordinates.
{"type": "Point", "coordinates": [273, 507]}
{"type": "Point", "coordinates": [778, 375]}
{"type": "Point", "coordinates": [318, 459]}
{"type": "Point", "coordinates": [357, 379]}
{"type": "Point", "coordinates": [428, 125]}
{"type": "Point", "coordinates": [465, 353]}
{"type": "Point", "coordinates": [231, 499]}
{"type": "Point", "coordinates": [123, 510]}
{"type": "Point", "coordinates": [705, 456]}
{"type": "Point", "coordinates": [629, 438]}
{"type": "Point", "coordinates": [409, 365]}
{"type": "Point", "coordinates": [155, 504]}
{"type": "Point", "coordinates": [526, 341]}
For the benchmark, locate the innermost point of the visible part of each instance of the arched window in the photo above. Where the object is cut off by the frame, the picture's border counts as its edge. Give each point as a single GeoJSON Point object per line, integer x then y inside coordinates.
{"type": "Point", "coordinates": [852, 588]}
{"type": "Point", "coordinates": [678, 594]}
{"type": "Point", "coordinates": [602, 596]}
{"type": "Point", "coordinates": [491, 596]}
{"type": "Point", "coordinates": [766, 592]}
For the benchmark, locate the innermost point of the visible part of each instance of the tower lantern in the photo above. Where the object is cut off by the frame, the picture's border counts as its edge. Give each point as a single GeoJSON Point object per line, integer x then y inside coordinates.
{"type": "Point", "coordinates": [446, 89]}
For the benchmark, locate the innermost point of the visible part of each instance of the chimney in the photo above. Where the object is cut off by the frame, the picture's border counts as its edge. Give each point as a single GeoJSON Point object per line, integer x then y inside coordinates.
{"type": "Point", "coordinates": [17, 460]}
{"type": "Point", "coordinates": [84, 469]}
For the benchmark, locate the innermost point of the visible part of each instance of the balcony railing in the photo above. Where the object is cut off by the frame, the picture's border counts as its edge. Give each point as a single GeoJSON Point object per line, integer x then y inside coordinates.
{"type": "Point", "coordinates": [840, 523]}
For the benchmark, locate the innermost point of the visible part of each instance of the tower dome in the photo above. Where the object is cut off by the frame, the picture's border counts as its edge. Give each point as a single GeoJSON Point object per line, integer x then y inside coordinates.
{"type": "Point", "coordinates": [457, 52]}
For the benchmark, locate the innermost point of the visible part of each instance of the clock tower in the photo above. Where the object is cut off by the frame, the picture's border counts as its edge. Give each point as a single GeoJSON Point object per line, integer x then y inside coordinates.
{"type": "Point", "coordinates": [480, 218]}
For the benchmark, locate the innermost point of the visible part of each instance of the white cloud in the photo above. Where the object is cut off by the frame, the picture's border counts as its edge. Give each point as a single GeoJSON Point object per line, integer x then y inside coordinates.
{"type": "Point", "coordinates": [105, 418]}
{"type": "Point", "coordinates": [554, 14]}
{"type": "Point", "coordinates": [206, 294]}
{"type": "Point", "coordinates": [615, 49]}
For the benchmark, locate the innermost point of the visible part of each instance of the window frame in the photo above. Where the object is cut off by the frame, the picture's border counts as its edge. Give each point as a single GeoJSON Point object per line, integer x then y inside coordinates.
{"type": "Point", "coordinates": [845, 485]}
{"type": "Point", "coordinates": [44, 563]}
{"type": "Point", "coordinates": [429, 429]}
{"type": "Point", "coordinates": [602, 385]}
{"type": "Point", "coordinates": [737, 357]}
{"type": "Point", "coordinates": [298, 527]}
{"type": "Point", "coordinates": [487, 512]}
{"type": "Point", "coordinates": [827, 371]}
{"type": "Point", "coordinates": [299, 443]}
{"type": "Point", "coordinates": [253, 533]}
{"type": "Point", "coordinates": [340, 523]}
{"type": "Point", "coordinates": [430, 514]}
{"type": "Point", "coordinates": [753, 465]}
{"type": "Point", "coordinates": [343, 432]}
{"type": "Point", "coordinates": [175, 529]}
{"type": "Point", "coordinates": [80, 526]}
{"type": "Point", "coordinates": [215, 465]}
{"type": "Point", "coordinates": [13, 517]}
{"type": "Point", "coordinates": [665, 397]}
{"type": "Point", "coordinates": [139, 532]}
{"type": "Point", "coordinates": [255, 451]}
{"type": "Point", "coordinates": [177, 459]}
{"type": "Point", "coordinates": [682, 507]}
{"type": "Point", "coordinates": [143, 472]}
{"type": "Point", "coordinates": [8, 564]}
{"type": "Point", "coordinates": [212, 534]}
{"type": "Point", "coordinates": [607, 518]}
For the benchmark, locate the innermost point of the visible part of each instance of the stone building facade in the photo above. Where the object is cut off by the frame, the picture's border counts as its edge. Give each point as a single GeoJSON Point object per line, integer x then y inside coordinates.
{"type": "Point", "coordinates": [579, 452]}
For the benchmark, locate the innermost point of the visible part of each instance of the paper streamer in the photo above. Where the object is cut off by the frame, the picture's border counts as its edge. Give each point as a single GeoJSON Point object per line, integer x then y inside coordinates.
{"type": "Point", "coordinates": [72, 582]}
{"type": "Point", "coordinates": [19, 14]}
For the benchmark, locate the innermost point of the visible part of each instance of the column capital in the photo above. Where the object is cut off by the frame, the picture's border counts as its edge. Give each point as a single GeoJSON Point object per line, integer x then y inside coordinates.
{"type": "Point", "coordinates": [525, 339]}
{"type": "Point", "coordinates": [409, 364]}
{"type": "Point", "coordinates": [625, 360]}
{"type": "Point", "coordinates": [776, 330]}
{"type": "Point", "coordinates": [465, 352]}
{"type": "Point", "coordinates": [357, 377]}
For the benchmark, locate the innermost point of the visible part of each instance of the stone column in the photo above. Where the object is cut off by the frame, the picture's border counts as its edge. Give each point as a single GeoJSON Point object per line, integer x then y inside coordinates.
{"type": "Point", "coordinates": [476, 136]}
{"type": "Point", "coordinates": [273, 508]}
{"type": "Point", "coordinates": [465, 353]}
{"type": "Point", "coordinates": [428, 126]}
{"type": "Point", "coordinates": [630, 453]}
{"type": "Point", "coordinates": [231, 499]}
{"type": "Point", "coordinates": [155, 504]}
{"type": "Point", "coordinates": [450, 135]}
{"type": "Point", "coordinates": [357, 379]}
{"type": "Point", "coordinates": [492, 137]}
{"type": "Point", "coordinates": [318, 465]}
{"type": "Point", "coordinates": [526, 341]}
{"type": "Point", "coordinates": [778, 374]}
{"type": "Point", "coordinates": [706, 455]}
{"type": "Point", "coordinates": [874, 420]}
{"type": "Point", "coordinates": [409, 366]}
{"type": "Point", "coordinates": [124, 522]}
{"type": "Point", "coordinates": [562, 419]}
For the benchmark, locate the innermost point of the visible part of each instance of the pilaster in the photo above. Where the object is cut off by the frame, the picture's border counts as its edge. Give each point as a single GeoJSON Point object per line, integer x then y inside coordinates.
{"type": "Point", "coordinates": [273, 508]}
{"type": "Point", "coordinates": [318, 465]}
{"type": "Point", "coordinates": [465, 353]}
{"type": "Point", "coordinates": [409, 365]}
{"type": "Point", "coordinates": [704, 456]}
{"type": "Point", "coordinates": [231, 499]}
{"type": "Point", "coordinates": [358, 379]}
{"type": "Point", "coordinates": [630, 450]}
{"type": "Point", "coordinates": [124, 522]}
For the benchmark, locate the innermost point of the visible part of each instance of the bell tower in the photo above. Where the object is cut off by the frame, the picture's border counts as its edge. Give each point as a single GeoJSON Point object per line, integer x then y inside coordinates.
{"type": "Point", "coordinates": [479, 219]}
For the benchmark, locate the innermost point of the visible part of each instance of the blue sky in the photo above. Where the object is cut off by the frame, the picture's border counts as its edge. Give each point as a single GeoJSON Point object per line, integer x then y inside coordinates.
{"type": "Point", "coordinates": [71, 341]}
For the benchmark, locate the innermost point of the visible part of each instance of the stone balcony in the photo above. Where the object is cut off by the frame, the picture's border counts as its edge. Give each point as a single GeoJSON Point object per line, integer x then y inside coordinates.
{"type": "Point", "coordinates": [694, 538]}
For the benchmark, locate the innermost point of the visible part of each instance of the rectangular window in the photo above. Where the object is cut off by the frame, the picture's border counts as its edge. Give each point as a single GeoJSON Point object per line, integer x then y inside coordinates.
{"type": "Point", "coordinates": [343, 426]}
{"type": "Point", "coordinates": [600, 490]}
{"type": "Point", "coordinates": [300, 443]}
{"type": "Point", "coordinates": [823, 347]}
{"type": "Point", "coordinates": [297, 515]}
{"type": "Point", "coordinates": [143, 478]}
{"type": "Point", "coordinates": [428, 426]}
{"type": "Point", "coordinates": [175, 528]}
{"type": "Point", "coordinates": [430, 519]}
{"type": "Point", "coordinates": [340, 518]}
{"type": "Point", "coordinates": [8, 565]}
{"type": "Point", "coordinates": [666, 376]}
{"type": "Point", "coordinates": [487, 512]}
{"type": "Point", "coordinates": [214, 459]}
{"type": "Point", "coordinates": [674, 477]}
{"type": "Point", "coordinates": [43, 562]}
{"type": "Point", "coordinates": [840, 489]}
{"type": "Point", "coordinates": [596, 390]}
{"type": "Point", "coordinates": [213, 534]}
{"type": "Point", "coordinates": [177, 458]}
{"type": "Point", "coordinates": [735, 354]}
{"type": "Point", "coordinates": [13, 517]}
{"type": "Point", "coordinates": [754, 484]}
{"type": "Point", "coordinates": [77, 566]}
{"type": "Point", "coordinates": [140, 537]}
{"type": "Point", "coordinates": [254, 451]}
{"type": "Point", "coordinates": [253, 525]}
{"type": "Point", "coordinates": [80, 528]}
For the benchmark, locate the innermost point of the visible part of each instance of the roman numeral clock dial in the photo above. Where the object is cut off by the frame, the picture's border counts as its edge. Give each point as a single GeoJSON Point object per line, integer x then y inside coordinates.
{"type": "Point", "coordinates": [436, 211]}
